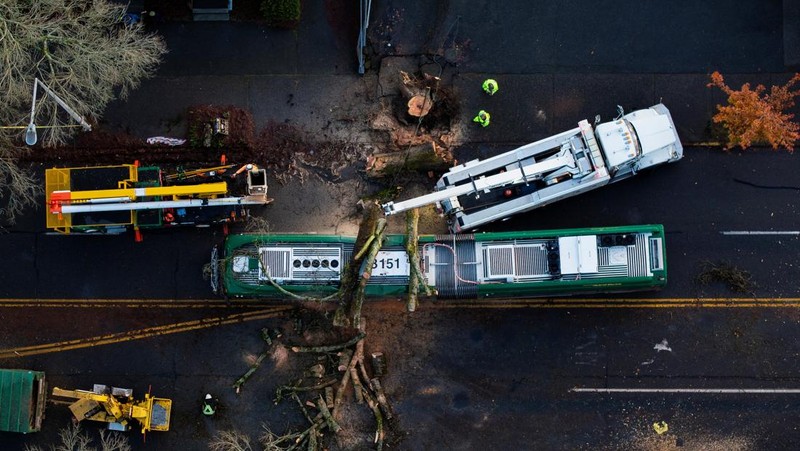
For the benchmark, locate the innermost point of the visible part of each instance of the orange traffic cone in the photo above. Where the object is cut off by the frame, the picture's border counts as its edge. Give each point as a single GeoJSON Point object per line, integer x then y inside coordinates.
{"type": "Point", "coordinates": [137, 235]}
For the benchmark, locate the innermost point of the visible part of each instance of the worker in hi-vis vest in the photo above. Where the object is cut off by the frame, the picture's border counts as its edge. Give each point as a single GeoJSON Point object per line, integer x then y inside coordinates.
{"type": "Point", "coordinates": [209, 405]}
{"type": "Point", "coordinates": [482, 118]}
{"type": "Point", "coordinates": [490, 86]}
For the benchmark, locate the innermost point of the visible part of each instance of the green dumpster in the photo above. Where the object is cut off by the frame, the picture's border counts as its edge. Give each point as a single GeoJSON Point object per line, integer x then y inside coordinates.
{"type": "Point", "coordinates": [22, 400]}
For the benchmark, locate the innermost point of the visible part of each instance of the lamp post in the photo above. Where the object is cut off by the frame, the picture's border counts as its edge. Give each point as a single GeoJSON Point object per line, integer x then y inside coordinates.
{"type": "Point", "coordinates": [30, 132]}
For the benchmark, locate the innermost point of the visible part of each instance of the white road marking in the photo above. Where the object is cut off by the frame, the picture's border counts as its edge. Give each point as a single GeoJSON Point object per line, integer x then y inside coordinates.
{"type": "Point", "coordinates": [761, 232]}
{"type": "Point", "coordinates": [689, 390]}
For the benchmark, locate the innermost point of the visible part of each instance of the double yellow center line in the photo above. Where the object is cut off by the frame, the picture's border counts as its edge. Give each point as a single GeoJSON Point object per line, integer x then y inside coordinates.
{"type": "Point", "coordinates": [269, 309]}
{"type": "Point", "coordinates": [147, 332]}
{"type": "Point", "coordinates": [136, 303]}
{"type": "Point", "coordinates": [574, 303]}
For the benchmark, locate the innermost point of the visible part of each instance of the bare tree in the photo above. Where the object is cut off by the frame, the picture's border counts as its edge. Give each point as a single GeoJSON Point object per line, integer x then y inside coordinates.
{"type": "Point", "coordinates": [230, 441]}
{"type": "Point", "coordinates": [81, 50]}
{"type": "Point", "coordinates": [71, 438]}
{"type": "Point", "coordinates": [18, 186]}
{"type": "Point", "coordinates": [114, 441]}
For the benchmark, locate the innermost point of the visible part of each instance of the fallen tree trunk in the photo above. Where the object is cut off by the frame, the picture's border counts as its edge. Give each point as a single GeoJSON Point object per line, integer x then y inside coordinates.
{"type": "Point", "coordinates": [366, 273]}
{"type": "Point", "coordinates": [422, 158]}
{"type": "Point", "coordinates": [351, 274]}
{"type": "Point", "coordinates": [412, 220]}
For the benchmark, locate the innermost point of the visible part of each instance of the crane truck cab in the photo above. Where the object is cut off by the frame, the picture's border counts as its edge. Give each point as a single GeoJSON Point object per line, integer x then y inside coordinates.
{"type": "Point", "coordinates": [639, 140]}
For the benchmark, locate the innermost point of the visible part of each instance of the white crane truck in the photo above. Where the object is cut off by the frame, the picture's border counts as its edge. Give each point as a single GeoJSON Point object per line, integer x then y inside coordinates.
{"type": "Point", "coordinates": [551, 169]}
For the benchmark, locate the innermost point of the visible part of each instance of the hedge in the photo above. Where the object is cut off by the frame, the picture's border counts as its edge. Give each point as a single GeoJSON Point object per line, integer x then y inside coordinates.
{"type": "Point", "coordinates": [281, 13]}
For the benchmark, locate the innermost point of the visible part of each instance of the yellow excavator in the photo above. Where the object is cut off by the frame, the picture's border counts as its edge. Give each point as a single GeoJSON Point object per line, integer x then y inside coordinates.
{"type": "Point", "coordinates": [116, 407]}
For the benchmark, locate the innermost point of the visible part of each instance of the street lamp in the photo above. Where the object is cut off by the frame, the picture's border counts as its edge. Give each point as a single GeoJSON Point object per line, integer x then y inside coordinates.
{"type": "Point", "coordinates": [30, 132]}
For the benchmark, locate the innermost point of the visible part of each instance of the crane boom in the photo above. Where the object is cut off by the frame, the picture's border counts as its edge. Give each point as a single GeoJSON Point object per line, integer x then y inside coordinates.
{"type": "Point", "coordinates": [522, 174]}
{"type": "Point", "coordinates": [109, 199]}
{"type": "Point", "coordinates": [137, 206]}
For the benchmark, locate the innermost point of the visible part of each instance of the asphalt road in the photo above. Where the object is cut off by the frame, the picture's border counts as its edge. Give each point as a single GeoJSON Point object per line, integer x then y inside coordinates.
{"type": "Point", "coordinates": [476, 378]}
{"type": "Point", "coordinates": [482, 379]}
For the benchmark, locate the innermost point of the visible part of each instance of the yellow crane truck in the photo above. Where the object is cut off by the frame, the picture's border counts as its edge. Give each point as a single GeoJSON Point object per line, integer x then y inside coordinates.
{"type": "Point", "coordinates": [113, 199]}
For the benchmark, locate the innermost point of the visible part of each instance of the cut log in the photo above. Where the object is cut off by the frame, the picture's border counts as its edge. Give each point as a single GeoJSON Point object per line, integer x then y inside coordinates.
{"type": "Point", "coordinates": [329, 397]}
{"type": "Point", "coordinates": [296, 388]}
{"type": "Point", "coordinates": [317, 370]}
{"type": "Point", "coordinates": [337, 402]}
{"type": "Point", "coordinates": [339, 398]}
{"type": "Point", "coordinates": [379, 434]}
{"type": "Point", "coordinates": [378, 364]}
{"type": "Point", "coordinates": [422, 158]}
{"type": "Point", "coordinates": [268, 340]}
{"type": "Point", "coordinates": [332, 424]}
{"type": "Point", "coordinates": [420, 105]}
{"type": "Point", "coordinates": [312, 439]}
{"type": "Point", "coordinates": [359, 354]}
{"type": "Point", "coordinates": [375, 383]}
{"type": "Point", "coordinates": [363, 371]}
{"type": "Point", "coordinates": [356, 385]}
{"type": "Point", "coordinates": [344, 358]}
{"type": "Point", "coordinates": [329, 348]}
{"type": "Point", "coordinates": [239, 382]}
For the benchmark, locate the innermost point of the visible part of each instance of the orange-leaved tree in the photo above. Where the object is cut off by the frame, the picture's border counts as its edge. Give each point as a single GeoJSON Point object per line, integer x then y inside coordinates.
{"type": "Point", "coordinates": [755, 116]}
